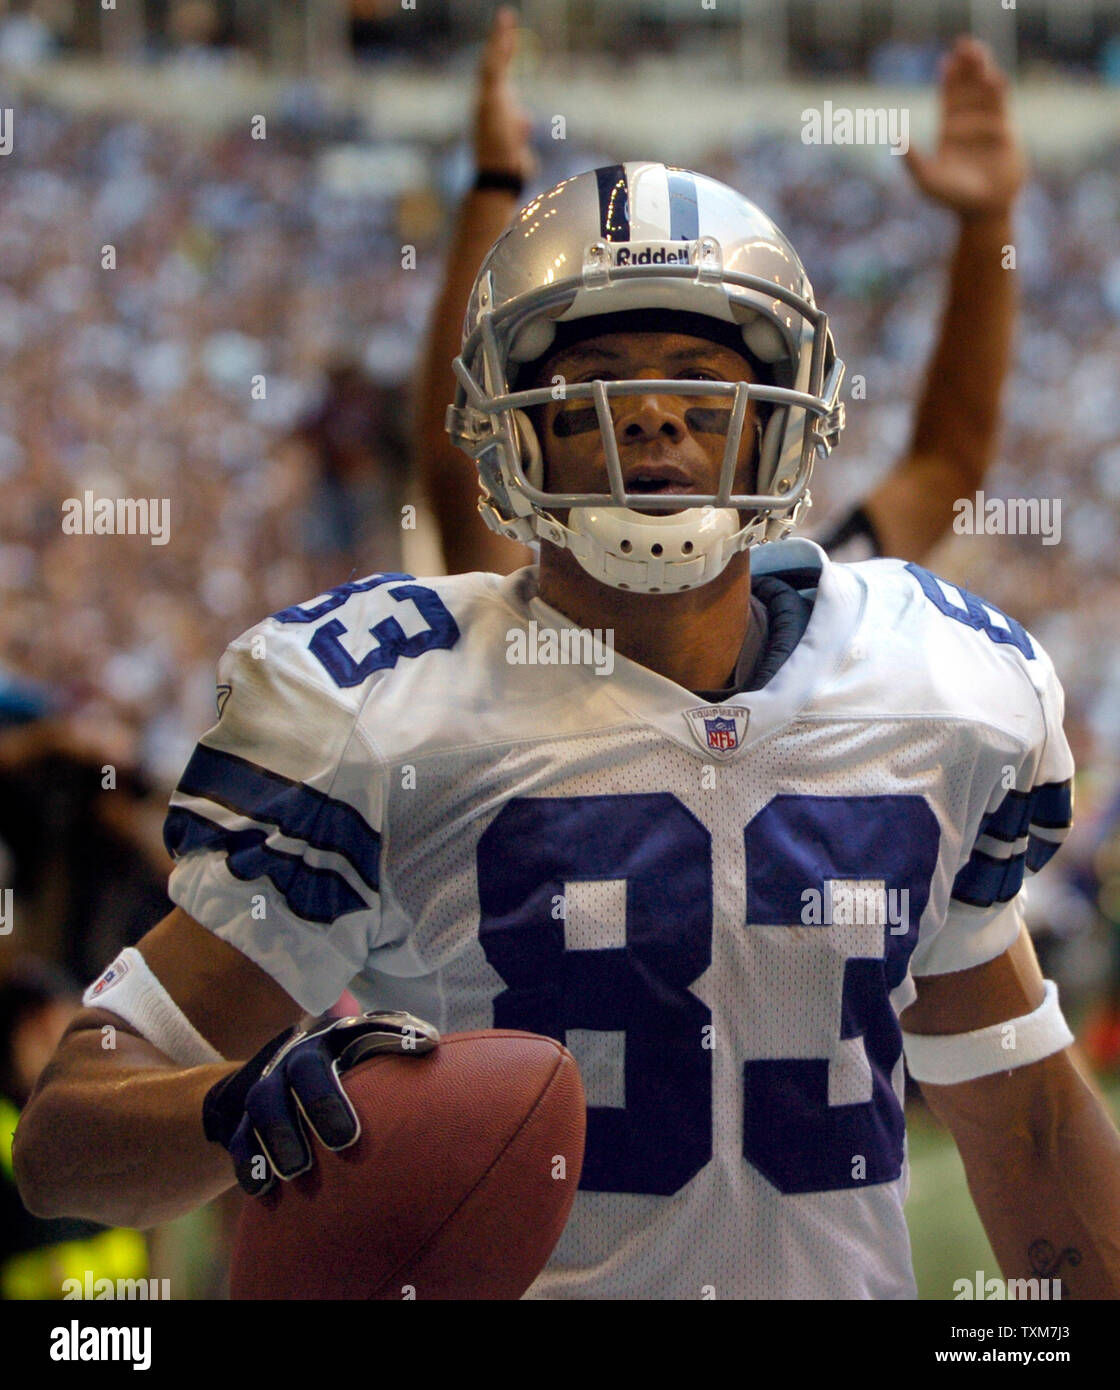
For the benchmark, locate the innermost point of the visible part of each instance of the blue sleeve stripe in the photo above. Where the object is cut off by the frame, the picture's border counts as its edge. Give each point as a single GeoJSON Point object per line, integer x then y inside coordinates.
{"type": "Point", "coordinates": [316, 895]}
{"type": "Point", "coordinates": [296, 810]}
{"type": "Point", "coordinates": [984, 880]}
{"type": "Point", "coordinates": [1040, 852]}
{"type": "Point", "coordinates": [1010, 820]}
{"type": "Point", "coordinates": [1053, 806]}
{"type": "Point", "coordinates": [1049, 807]}
{"type": "Point", "coordinates": [988, 879]}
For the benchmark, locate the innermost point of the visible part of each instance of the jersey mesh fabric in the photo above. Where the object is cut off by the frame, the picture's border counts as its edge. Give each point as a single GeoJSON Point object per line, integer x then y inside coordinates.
{"type": "Point", "coordinates": [774, 991]}
{"type": "Point", "coordinates": [497, 790]}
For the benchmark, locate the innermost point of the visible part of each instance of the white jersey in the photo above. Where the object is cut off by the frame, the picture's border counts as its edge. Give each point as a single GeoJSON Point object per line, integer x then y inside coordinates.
{"type": "Point", "coordinates": [718, 909]}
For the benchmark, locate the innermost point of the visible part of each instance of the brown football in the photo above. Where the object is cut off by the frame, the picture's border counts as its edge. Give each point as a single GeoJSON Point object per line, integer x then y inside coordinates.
{"type": "Point", "coordinates": [458, 1186]}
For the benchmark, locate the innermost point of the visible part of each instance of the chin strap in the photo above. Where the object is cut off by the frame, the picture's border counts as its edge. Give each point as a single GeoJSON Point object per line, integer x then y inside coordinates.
{"type": "Point", "coordinates": [617, 545]}
{"type": "Point", "coordinates": [682, 551]}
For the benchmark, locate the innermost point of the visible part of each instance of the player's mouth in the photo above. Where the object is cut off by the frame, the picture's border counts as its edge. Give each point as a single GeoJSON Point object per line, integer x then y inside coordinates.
{"type": "Point", "coordinates": [656, 480]}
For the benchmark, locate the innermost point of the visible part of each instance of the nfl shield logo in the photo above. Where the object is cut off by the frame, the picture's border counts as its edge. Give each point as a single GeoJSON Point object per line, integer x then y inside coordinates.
{"type": "Point", "coordinates": [115, 972]}
{"type": "Point", "coordinates": [721, 735]}
{"type": "Point", "coordinates": [719, 729]}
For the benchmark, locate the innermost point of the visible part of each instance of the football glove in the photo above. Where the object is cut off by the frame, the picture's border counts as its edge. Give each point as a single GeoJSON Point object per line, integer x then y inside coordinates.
{"type": "Point", "coordinates": [262, 1112]}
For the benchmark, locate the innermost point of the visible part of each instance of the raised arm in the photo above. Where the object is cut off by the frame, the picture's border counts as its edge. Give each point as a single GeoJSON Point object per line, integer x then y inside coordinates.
{"type": "Point", "coordinates": [1040, 1152]}
{"type": "Point", "coordinates": [976, 171]}
{"type": "Point", "coordinates": [501, 145]}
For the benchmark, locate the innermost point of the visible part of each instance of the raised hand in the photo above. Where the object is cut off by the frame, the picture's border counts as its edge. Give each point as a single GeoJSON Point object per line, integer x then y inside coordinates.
{"type": "Point", "coordinates": [978, 166]}
{"type": "Point", "coordinates": [501, 126]}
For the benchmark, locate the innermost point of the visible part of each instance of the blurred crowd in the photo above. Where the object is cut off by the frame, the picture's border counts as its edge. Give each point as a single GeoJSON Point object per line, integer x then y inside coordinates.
{"type": "Point", "coordinates": [231, 324]}
{"type": "Point", "coordinates": [878, 39]}
{"type": "Point", "coordinates": [210, 368]}
{"type": "Point", "coordinates": [248, 358]}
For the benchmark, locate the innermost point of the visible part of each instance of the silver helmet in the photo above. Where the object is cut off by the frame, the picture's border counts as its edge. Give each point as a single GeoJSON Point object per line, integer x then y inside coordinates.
{"type": "Point", "coordinates": [624, 238]}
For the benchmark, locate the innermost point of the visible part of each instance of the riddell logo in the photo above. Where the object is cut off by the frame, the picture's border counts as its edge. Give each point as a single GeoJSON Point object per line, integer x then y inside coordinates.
{"type": "Point", "coordinates": [650, 255]}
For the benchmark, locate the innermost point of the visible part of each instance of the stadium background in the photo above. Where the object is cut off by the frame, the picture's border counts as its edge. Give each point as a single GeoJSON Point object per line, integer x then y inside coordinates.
{"type": "Point", "coordinates": [281, 257]}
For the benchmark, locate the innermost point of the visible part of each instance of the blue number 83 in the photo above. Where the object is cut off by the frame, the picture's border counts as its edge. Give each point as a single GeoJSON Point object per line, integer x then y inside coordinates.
{"type": "Point", "coordinates": [637, 985]}
{"type": "Point", "coordinates": [390, 642]}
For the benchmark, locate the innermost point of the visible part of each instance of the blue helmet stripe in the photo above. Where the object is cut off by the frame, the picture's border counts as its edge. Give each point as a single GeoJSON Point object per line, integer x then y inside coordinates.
{"type": "Point", "coordinates": [684, 212]}
{"type": "Point", "coordinates": [614, 203]}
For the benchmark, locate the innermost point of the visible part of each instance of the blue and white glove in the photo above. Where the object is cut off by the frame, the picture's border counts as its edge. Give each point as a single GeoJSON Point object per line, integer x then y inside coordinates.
{"type": "Point", "coordinates": [262, 1112]}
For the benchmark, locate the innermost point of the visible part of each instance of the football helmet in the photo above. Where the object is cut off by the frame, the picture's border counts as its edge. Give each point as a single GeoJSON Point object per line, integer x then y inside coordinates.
{"type": "Point", "coordinates": [613, 241]}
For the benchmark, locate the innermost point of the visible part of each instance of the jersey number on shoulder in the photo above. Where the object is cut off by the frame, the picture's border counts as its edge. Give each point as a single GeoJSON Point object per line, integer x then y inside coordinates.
{"type": "Point", "coordinates": [973, 612]}
{"type": "Point", "coordinates": [429, 625]}
{"type": "Point", "coordinates": [819, 1110]}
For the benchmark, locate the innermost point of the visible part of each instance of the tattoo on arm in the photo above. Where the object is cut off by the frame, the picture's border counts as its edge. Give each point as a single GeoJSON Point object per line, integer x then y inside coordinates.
{"type": "Point", "coordinates": [1044, 1260]}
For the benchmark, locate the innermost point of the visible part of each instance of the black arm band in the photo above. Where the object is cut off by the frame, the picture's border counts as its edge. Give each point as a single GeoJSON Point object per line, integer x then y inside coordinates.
{"type": "Point", "coordinates": [502, 179]}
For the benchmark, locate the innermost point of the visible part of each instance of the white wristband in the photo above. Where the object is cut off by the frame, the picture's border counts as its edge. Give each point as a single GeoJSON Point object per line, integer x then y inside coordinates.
{"type": "Point", "coordinates": [946, 1060]}
{"type": "Point", "coordinates": [129, 989]}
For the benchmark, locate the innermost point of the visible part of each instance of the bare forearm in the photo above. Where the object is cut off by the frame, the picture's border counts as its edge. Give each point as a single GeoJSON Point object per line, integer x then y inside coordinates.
{"type": "Point", "coordinates": [1047, 1190]}
{"type": "Point", "coordinates": [959, 409]}
{"type": "Point", "coordinates": [956, 427]}
{"type": "Point", "coordinates": [117, 1136]}
{"type": "Point", "coordinates": [448, 477]}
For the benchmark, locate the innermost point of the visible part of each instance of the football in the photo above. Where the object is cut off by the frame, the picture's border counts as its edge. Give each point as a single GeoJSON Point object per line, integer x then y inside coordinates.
{"type": "Point", "coordinates": [457, 1188]}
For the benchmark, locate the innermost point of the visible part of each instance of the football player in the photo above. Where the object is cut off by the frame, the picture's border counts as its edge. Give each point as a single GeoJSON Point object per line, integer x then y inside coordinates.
{"type": "Point", "coordinates": [738, 867]}
{"type": "Point", "coordinates": [975, 172]}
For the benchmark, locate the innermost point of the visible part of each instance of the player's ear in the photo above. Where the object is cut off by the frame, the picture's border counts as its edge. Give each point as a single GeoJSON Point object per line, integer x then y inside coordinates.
{"type": "Point", "coordinates": [529, 423]}
{"type": "Point", "coordinates": [750, 483]}
{"type": "Point", "coordinates": [759, 434]}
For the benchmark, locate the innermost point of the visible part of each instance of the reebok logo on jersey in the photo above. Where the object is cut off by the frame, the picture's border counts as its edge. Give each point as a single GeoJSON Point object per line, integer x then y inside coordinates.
{"type": "Point", "coordinates": [718, 729]}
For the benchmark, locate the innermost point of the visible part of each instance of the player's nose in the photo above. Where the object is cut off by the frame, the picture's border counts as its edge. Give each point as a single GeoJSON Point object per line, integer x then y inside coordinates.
{"type": "Point", "coordinates": [641, 418]}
